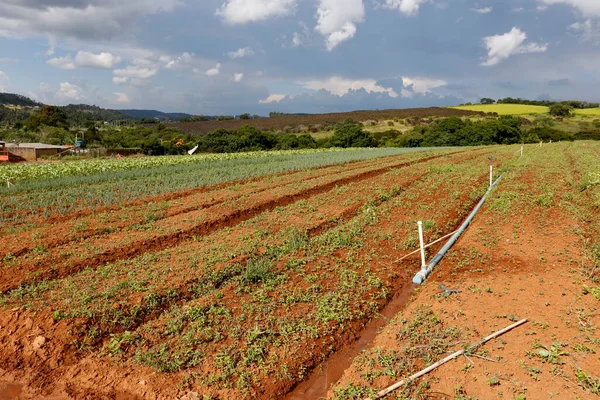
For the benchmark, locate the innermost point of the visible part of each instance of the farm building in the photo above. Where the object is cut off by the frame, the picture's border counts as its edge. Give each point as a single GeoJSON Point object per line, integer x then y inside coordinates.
{"type": "Point", "coordinates": [32, 151]}
{"type": "Point", "coordinates": [3, 152]}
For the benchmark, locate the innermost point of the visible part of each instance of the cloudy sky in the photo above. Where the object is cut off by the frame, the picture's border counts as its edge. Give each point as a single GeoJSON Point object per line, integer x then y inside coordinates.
{"type": "Point", "coordinates": [233, 56]}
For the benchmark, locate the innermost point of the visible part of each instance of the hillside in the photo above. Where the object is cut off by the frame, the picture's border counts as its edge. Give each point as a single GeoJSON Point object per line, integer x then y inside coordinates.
{"type": "Point", "coordinates": [139, 114]}
{"type": "Point", "coordinates": [11, 99]}
{"type": "Point", "coordinates": [282, 122]}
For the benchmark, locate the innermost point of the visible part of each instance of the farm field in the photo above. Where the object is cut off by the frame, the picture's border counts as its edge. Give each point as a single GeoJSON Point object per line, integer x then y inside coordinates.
{"type": "Point", "coordinates": [522, 109]}
{"type": "Point", "coordinates": [505, 109]}
{"type": "Point", "coordinates": [238, 286]}
{"type": "Point", "coordinates": [279, 123]}
{"type": "Point", "coordinates": [533, 252]}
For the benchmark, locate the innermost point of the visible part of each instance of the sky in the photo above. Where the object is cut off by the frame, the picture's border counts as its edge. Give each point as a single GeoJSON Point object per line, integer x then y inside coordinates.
{"type": "Point", "coordinates": [227, 57]}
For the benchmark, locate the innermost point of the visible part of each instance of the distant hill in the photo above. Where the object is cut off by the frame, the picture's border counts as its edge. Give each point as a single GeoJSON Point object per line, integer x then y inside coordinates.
{"type": "Point", "coordinates": [80, 113]}
{"type": "Point", "coordinates": [139, 114]}
{"type": "Point", "coordinates": [11, 99]}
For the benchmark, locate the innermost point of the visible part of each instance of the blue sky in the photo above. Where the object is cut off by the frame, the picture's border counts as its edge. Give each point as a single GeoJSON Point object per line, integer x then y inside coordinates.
{"type": "Point", "coordinates": [234, 56]}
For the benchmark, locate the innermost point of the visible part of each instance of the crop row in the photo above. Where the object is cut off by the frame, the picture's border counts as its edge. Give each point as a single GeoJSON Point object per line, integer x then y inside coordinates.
{"type": "Point", "coordinates": [246, 304]}
{"type": "Point", "coordinates": [130, 179]}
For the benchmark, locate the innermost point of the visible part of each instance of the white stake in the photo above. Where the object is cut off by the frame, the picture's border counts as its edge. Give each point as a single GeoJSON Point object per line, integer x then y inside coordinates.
{"type": "Point", "coordinates": [521, 151]}
{"type": "Point", "coordinates": [491, 175]}
{"type": "Point", "coordinates": [420, 223]}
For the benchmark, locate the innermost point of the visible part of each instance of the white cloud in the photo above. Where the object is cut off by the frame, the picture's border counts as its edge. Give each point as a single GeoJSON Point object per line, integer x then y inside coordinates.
{"type": "Point", "coordinates": [238, 77]}
{"type": "Point", "coordinates": [300, 38]}
{"type": "Point", "coordinates": [69, 92]}
{"type": "Point", "coordinates": [241, 53]}
{"type": "Point", "coordinates": [273, 98]}
{"type": "Point", "coordinates": [588, 8]}
{"type": "Point", "coordinates": [133, 72]}
{"type": "Point", "coordinates": [420, 85]}
{"type": "Point", "coordinates": [337, 19]}
{"type": "Point", "coordinates": [62, 62]}
{"type": "Point", "coordinates": [3, 81]}
{"type": "Point", "coordinates": [245, 11]}
{"type": "Point", "coordinates": [84, 59]}
{"type": "Point", "coordinates": [408, 7]}
{"type": "Point", "coordinates": [90, 60]}
{"type": "Point", "coordinates": [119, 80]}
{"type": "Point", "coordinates": [214, 71]}
{"type": "Point", "coordinates": [541, 8]}
{"type": "Point", "coordinates": [297, 39]}
{"type": "Point", "coordinates": [340, 86]}
{"type": "Point", "coordinates": [485, 10]}
{"type": "Point", "coordinates": [181, 62]}
{"type": "Point", "coordinates": [122, 98]}
{"type": "Point", "coordinates": [76, 19]}
{"type": "Point", "coordinates": [501, 47]}
{"type": "Point", "coordinates": [588, 30]}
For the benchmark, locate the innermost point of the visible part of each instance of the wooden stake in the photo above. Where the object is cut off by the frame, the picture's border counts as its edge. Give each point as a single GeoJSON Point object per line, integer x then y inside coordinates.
{"type": "Point", "coordinates": [445, 360]}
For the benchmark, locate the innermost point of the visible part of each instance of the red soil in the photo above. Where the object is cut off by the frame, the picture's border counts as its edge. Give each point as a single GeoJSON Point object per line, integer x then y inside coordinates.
{"type": "Point", "coordinates": [41, 357]}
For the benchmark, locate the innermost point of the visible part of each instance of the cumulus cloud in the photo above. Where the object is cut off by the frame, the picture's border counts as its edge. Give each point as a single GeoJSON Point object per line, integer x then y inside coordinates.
{"type": "Point", "coordinates": [122, 98]}
{"type": "Point", "coordinates": [238, 77]}
{"type": "Point", "coordinates": [501, 47]}
{"type": "Point", "coordinates": [133, 72]}
{"type": "Point", "coordinates": [273, 98]}
{"type": "Point", "coordinates": [408, 7]}
{"type": "Point", "coordinates": [337, 19]}
{"type": "Point", "coordinates": [245, 11]}
{"type": "Point", "coordinates": [241, 53]}
{"type": "Point", "coordinates": [84, 59]}
{"type": "Point", "coordinates": [485, 10]}
{"type": "Point", "coordinates": [69, 92]}
{"type": "Point", "coordinates": [340, 86]}
{"type": "Point", "coordinates": [421, 86]}
{"type": "Point", "coordinates": [62, 62]}
{"type": "Point", "coordinates": [588, 8]}
{"type": "Point", "coordinates": [181, 62]}
{"type": "Point", "coordinates": [77, 19]}
{"type": "Point", "coordinates": [588, 30]}
{"type": "Point", "coordinates": [214, 71]}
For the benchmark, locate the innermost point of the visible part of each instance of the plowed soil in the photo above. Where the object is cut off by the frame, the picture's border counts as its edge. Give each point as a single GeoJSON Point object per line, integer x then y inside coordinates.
{"type": "Point", "coordinates": [531, 253]}
{"type": "Point", "coordinates": [241, 291]}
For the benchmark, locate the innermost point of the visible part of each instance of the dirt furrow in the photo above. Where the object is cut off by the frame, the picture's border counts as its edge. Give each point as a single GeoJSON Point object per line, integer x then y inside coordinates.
{"type": "Point", "coordinates": [24, 274]}
{"type": "Point", "coordinates": [73, 229]}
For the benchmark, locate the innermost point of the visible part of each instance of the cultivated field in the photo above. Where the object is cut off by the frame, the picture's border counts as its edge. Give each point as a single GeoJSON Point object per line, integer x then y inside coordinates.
{"type": "Point", "coordinates": [235, 278]}
{"type": "Point", "coordinates": [533, 252]}
{"type": "Point", "coordinates": [521, 109]}
{"type": "Point", "coordinates": [505, 109]}
{"type": "Point", "coordinates": [292, 121]}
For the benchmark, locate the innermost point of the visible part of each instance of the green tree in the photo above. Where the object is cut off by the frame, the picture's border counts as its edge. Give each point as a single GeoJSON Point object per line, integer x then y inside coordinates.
{"type": "Point", "coordinates": [351, 135]}
{"type": "Point", "coordinates": [487, 100]}
{"type": "Point", "coordinates": [561, 110]}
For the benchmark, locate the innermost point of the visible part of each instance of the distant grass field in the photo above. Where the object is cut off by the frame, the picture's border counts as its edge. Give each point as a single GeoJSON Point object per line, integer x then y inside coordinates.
{"type": "Point", "coordinates": [588, 111]}
{"type": "Point", "coordinates": [506, 109]}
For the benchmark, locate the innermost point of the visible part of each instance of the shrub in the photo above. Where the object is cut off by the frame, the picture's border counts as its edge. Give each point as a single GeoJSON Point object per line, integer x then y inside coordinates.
{"type": "Point", "coordinates": [351, 135]}
{"type": "Point", "coordinates": [561, 110]}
